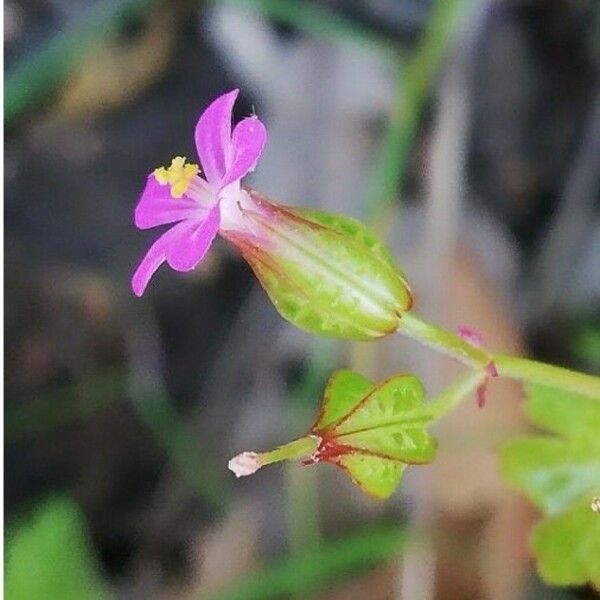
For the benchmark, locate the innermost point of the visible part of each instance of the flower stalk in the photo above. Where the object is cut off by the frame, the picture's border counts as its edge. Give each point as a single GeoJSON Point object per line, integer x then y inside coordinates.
{"type": "Point", "coordinates": [447, 400]}
{"type": "Point", "coordinates": [299, 449]}
{"type": "Point", "coordinates": [512, 367]}
{"type": "Point", "coordinates": [248, 463]}
{"type": "Point", "coordinates": [445, 341]}
{"type": "Point", "coordinates": [533, 371]}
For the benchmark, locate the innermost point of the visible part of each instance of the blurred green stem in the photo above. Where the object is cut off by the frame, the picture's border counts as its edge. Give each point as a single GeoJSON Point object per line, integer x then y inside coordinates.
{"type": "Point", "coordinates": [454, 394]}
{"type": "Point", "coordinates": [181, 445]}
{"type": "Point", "coordinates": [304, 531]}
{"type": "Point", "coordinates": [312, 570]}
{"type": "Point", "coordinates": [414, 81]}
{"type": "Point", "coordinates": [29, 82]}
{"type": "Point", "coordinates": [319, 20]}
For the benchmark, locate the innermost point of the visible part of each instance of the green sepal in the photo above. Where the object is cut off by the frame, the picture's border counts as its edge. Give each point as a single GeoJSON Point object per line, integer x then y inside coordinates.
{"type": "Point", "coordinates": [376, 476]}
{"type": "Point", "coordinates": [326, 274]}
{"type": "Point", "coordinates": [373, 432]}
{"type": "Point", "coordinates": [364, 236]}
{"type": "Point", "coordinates": [345, 389]}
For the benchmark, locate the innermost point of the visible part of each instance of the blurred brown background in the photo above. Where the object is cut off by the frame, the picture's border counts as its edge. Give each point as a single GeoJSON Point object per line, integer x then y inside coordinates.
{"type": "Point", "coordinates": [466, 131]}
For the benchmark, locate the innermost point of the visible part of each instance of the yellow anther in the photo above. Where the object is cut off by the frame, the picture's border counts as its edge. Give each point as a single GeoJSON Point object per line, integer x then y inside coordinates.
{"type": "Point", "coordinates": [178, 175]}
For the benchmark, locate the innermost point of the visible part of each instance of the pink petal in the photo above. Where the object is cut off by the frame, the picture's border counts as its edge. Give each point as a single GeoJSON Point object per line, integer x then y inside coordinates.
{"type": "Point", "coordinates": [213, 137]}
{"type": "Point", "coordinates": [183, 246]}
{"type": "Point", "coordinates": [247, 143]}
{"type": "Point", "coordinates": [189, 249]}
{"type": "Point", "coordinates": [158, 207]}
{"type": "Point", "coordinates": [156, 255]}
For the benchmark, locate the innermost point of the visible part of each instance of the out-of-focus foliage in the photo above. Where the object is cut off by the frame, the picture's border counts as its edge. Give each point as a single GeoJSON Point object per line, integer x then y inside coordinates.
{"type": "Point", "coordinates": [34, 76]}
{"type": "Point", "coordinates": [320, 21]}
{"type": "Point", "coordinates": [560, 474]}
{"type": "Point", "coordinates": [309, 572]}
{"type": "Point", "coordinates": [586, 344]}
{"type": "Point", "coordinates": [48, 556]}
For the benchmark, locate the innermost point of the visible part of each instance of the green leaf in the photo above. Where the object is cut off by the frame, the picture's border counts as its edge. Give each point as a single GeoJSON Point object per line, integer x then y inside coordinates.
{"type": "Point", "coordinates": [374, 431]}
{"type": "Point", "coordinates": [49, 556]}
{"type": "Point", "coordinates": [553, 473]}
{"type": "Point", "coordinates": [408, 443]}
{"type": "Point", "coordinates": [568, 547]}
{"type": "Point", "coordinates": [395, 401]}
{"type": "Point", "coordinates": [560, 474]}
{"type": "Point", "coordinates": [571, 415]}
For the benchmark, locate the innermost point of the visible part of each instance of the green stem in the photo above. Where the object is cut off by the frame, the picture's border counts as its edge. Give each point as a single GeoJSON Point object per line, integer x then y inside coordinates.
{"type": "Point", "coordinates": [452, 396]}
{"type": "Point", "coordinates": [512, 367]}
{"type": "Point", "coordinates": [533, 371]}
{"type": "Point", "coordinates": [444, 340]}
{"type": "Point", "coordinates": [297, 449]}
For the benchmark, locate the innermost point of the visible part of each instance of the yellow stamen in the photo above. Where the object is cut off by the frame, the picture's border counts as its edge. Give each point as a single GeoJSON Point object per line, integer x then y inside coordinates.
{"type": "Point", "coordinates": [178, 175]}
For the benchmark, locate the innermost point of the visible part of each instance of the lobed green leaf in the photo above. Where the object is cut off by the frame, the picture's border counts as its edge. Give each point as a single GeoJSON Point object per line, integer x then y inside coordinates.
{"type": "Point", "coordinates": [561, 476]}
{"type": "Point", "coordinates": [568, 547]}
{"type": "Point", "coordinates": [377, 476]}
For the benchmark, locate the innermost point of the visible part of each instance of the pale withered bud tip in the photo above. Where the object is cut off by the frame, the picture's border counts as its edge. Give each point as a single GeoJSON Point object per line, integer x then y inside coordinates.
{"type": "Point", "coordinates": [244, 464]}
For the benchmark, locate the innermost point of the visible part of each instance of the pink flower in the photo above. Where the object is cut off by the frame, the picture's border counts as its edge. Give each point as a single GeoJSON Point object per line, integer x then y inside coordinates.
{"type": "Point", "coordinates": [199, 207]}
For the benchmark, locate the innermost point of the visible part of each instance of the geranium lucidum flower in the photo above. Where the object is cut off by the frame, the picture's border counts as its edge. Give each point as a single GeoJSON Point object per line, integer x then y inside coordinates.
{"type": "Point", "coordinates": [327, 274]}
{"type": "Point", "coordinates": [198, 206]}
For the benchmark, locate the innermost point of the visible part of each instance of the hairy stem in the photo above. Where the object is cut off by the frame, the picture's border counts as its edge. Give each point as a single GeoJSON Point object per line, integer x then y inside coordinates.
{"type": "Point", "coordinates": [512, 367]}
